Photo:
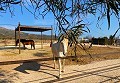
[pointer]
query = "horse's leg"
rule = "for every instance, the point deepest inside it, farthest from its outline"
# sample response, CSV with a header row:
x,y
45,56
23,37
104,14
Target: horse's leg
x,y
54,61
24,46
63,64
31,46
59,63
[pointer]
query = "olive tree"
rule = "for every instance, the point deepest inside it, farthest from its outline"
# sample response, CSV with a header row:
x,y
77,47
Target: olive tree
x,y
69,14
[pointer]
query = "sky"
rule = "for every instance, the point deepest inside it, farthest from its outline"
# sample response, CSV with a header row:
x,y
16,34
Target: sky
x,y
26,18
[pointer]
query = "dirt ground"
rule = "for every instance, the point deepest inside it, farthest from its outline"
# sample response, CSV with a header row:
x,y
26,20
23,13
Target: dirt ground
x,y
86,60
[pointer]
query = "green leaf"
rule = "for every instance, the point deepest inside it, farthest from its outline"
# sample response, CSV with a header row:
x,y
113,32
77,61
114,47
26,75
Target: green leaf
x,y
85,31
108,15
113,6
88,29
1,8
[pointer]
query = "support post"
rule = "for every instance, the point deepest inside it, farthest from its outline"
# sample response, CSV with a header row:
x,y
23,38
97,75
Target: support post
x,y
15,36
41,41
51,34
19,37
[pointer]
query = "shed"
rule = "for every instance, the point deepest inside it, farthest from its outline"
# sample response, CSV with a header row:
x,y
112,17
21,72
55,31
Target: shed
x,y
33,29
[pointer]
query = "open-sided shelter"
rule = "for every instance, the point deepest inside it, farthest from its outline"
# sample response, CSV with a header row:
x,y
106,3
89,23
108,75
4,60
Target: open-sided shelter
x,y
31,28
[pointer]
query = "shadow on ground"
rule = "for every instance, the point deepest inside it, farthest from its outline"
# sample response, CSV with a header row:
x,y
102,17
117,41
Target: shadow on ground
x,y
28,66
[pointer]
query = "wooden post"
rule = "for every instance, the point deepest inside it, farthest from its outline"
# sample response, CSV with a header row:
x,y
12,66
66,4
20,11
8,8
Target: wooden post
x,y
41,41
51,34
19,37
15,36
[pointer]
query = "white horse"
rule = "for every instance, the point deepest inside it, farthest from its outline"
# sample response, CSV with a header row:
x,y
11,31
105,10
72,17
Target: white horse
x,y
59,49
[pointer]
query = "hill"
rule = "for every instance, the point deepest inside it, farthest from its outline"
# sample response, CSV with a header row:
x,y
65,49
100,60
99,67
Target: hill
x,y
10,34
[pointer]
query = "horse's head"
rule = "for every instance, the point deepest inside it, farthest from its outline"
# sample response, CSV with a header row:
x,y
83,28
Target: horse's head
x,y
16,42
21,40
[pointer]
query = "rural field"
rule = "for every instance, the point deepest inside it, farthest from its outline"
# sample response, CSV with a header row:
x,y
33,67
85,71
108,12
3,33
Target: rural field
x,y
75,22
102,62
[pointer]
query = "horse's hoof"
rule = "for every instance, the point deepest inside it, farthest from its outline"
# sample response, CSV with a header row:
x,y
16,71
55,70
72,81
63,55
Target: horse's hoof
x,y
62,71
59,76
54,67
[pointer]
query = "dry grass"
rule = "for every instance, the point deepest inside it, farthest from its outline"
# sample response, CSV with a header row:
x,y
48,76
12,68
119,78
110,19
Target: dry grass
x,y
97,53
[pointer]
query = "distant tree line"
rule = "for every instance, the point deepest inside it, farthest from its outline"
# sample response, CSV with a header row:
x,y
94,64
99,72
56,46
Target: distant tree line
x,y
104,41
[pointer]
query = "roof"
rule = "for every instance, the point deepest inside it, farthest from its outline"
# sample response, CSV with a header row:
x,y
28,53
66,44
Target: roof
x,y
32,28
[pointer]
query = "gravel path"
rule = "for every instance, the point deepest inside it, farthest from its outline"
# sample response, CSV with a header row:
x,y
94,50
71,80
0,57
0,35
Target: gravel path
x,y
98,72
